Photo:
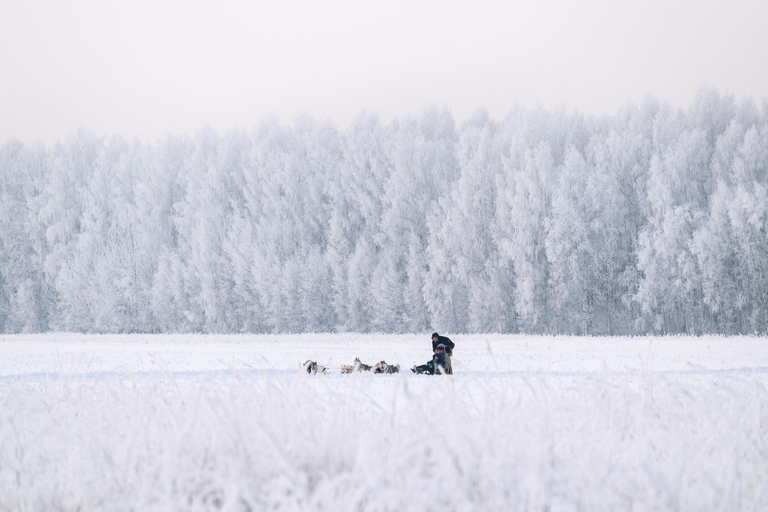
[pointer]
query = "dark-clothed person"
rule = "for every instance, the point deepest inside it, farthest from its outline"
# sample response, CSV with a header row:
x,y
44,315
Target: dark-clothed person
x,y
442,348
442,340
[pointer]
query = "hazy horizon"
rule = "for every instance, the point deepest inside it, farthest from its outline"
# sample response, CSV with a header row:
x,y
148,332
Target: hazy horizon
x,y
760,103
144,69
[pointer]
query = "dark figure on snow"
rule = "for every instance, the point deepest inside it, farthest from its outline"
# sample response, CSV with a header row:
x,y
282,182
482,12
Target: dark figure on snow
x,y
442,340
442,349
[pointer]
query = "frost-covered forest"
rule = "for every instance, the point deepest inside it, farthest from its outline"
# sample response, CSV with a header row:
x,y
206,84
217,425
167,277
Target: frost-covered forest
x,y
653,220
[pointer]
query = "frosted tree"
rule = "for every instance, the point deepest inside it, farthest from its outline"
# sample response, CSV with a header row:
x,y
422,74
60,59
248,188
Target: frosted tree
x,y
291,169
571,248
316,293
246,311
748,213
158,198
72,165
201,217
678,192
715,250
356,196
106,256
616,193
529,208
424,167
651,220
319,158
466,282
26,297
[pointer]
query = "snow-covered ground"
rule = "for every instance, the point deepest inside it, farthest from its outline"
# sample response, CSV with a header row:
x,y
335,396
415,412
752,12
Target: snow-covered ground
x,y
525,423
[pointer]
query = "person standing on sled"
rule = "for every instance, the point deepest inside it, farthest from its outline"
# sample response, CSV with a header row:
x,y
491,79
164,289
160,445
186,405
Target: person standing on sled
x,y
442,349
442,340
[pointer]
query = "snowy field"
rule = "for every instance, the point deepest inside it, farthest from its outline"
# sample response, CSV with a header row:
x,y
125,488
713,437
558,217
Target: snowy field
x,y
525,423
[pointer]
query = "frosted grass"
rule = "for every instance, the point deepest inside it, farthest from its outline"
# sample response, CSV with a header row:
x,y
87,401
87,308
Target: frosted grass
x,y
287,441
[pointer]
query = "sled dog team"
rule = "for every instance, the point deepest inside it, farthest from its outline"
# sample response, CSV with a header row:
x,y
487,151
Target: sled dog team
x,y
442,350
358,366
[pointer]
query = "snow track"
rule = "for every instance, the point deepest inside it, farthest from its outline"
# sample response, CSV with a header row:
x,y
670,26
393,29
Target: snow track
x,y
564,424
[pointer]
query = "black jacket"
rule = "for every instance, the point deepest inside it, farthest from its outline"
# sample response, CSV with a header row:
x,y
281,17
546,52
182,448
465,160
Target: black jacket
x,y
445,341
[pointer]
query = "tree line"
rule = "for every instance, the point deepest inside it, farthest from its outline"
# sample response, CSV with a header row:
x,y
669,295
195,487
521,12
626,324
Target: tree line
x,y
652,220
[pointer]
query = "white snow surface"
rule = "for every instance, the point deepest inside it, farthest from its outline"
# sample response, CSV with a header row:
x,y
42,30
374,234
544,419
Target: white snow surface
x,y
192,422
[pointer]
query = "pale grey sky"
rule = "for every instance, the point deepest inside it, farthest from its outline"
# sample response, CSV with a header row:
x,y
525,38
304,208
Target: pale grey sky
x,y
147,67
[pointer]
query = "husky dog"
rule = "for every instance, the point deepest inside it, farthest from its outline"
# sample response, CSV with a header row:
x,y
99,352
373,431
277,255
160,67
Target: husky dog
x,y
358,366
383,367
312,367
361,366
